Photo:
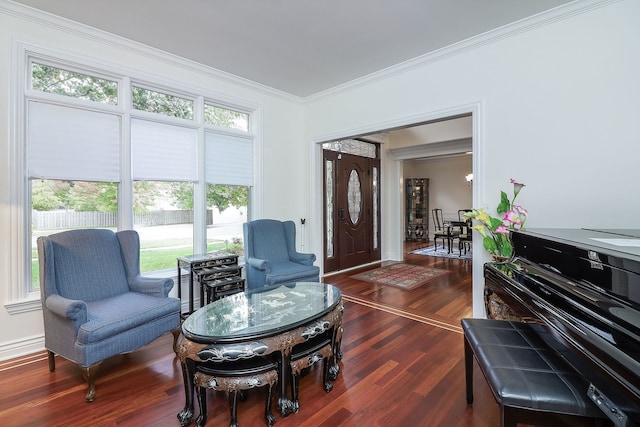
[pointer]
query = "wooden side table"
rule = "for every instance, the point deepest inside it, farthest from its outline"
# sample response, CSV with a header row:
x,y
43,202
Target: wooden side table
x,y
220,281
194,264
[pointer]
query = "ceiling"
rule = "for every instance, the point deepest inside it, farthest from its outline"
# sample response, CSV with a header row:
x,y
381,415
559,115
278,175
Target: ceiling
x,y
300,47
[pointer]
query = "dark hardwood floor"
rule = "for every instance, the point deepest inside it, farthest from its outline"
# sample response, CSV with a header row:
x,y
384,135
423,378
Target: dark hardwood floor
x,y
402,366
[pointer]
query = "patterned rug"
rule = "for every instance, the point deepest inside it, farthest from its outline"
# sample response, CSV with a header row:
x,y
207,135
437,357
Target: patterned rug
x,y
442,253
400,275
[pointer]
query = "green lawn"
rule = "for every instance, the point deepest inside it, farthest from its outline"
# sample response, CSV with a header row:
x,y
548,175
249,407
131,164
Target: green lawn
x,y
151,258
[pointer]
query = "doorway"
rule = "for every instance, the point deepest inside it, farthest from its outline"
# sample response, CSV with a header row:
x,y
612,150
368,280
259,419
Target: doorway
x,y
352,204
391,236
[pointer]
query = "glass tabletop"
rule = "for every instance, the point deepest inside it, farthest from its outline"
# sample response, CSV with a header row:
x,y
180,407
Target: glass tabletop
x,y
261,312
204,257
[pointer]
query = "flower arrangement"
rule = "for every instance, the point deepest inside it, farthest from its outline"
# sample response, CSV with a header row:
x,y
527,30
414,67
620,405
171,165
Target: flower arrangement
x,y
495,231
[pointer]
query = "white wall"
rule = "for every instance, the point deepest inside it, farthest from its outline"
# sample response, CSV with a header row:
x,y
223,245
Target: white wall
x,y
284,190
557,110
554,108
439,132
448,189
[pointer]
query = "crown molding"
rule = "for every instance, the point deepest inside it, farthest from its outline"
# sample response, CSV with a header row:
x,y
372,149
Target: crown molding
x,y
559,13
542,19
46,19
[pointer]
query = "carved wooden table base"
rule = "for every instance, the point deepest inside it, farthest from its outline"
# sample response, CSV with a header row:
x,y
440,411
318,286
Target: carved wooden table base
x,y
192,354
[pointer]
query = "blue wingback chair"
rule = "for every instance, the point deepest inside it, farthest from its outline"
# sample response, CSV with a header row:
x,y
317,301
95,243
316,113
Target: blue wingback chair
x,y
95,303
271,257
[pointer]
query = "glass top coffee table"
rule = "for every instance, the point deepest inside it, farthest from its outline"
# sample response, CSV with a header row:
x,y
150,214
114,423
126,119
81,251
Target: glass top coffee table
x,y
268,321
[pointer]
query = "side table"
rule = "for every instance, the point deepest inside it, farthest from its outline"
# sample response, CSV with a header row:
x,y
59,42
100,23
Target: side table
x,y
220,281
196,263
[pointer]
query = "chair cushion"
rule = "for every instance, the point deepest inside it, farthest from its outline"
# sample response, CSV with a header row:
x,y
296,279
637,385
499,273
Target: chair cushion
x,y
290,272
111,316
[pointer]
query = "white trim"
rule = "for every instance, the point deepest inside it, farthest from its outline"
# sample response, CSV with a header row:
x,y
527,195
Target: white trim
x,y
393,250
89,33
18,218
21,347
530,23
493,36
19,300
436,149
31,303
115,71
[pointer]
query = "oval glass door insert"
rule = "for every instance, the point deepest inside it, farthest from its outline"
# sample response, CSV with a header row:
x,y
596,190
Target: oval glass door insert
x,y
354,196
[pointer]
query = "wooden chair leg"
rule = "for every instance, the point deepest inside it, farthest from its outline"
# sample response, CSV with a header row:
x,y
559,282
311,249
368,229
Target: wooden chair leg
x,y
295,383
176,334
328,385
233,408
267,410
52,361
202,401
89,374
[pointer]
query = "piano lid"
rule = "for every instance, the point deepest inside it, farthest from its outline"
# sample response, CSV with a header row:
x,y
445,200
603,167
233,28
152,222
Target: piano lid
x,y
618,242
617,248
585,285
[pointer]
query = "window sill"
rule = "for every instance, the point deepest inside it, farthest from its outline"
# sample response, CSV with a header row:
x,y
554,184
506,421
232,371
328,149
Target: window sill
x,y
24,306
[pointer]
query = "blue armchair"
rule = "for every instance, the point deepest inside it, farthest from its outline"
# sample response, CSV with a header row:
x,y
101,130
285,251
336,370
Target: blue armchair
x,y
95,304
271,257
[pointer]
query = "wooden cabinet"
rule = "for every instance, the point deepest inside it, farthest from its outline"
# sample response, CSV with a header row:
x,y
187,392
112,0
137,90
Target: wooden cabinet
x,y
417,209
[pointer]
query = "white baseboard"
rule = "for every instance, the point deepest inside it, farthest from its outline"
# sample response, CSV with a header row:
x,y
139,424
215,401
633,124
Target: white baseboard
x,y
21,347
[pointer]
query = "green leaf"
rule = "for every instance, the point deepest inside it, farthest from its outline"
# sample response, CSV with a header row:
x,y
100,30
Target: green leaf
x,y
494,223
490,244
505,247
504,205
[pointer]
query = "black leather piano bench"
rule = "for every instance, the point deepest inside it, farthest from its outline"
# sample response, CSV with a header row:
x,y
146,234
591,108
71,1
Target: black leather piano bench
x,y
530,381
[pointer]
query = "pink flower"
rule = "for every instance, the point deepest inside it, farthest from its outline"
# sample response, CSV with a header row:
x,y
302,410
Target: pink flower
x,y
516,187
520,210
503,229
512,217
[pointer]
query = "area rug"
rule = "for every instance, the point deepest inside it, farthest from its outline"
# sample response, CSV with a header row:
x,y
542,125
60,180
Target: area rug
x,y
400,275
442,253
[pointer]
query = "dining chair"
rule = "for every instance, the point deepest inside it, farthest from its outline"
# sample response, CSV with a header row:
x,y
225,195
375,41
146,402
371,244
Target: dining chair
x,y
440,231
465,237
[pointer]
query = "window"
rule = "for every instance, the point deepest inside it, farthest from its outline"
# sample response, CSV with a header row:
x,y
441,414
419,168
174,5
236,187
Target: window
x,y
89,161
60,205
227,210
56,80
162,103
353,146
226,118
163,218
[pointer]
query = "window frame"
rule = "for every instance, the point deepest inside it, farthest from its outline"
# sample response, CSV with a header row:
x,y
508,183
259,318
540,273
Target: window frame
x,y
21,297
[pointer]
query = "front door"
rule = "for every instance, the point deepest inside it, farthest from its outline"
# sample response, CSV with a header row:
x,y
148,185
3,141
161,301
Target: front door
x,y
351,210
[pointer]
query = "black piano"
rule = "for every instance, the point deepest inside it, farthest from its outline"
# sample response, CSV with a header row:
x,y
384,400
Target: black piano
x,y
584,287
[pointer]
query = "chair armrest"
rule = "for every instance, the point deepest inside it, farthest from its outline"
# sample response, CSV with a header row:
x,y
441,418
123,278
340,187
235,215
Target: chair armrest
x,y
259,264
67,308
154,286
300,258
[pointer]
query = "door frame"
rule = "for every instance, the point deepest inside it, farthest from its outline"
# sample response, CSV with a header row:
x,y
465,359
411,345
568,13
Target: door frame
x,y
391,192
368,222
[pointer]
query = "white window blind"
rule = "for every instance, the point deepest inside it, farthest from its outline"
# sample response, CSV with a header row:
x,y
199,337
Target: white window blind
x,y
229,160
163,152
72,144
